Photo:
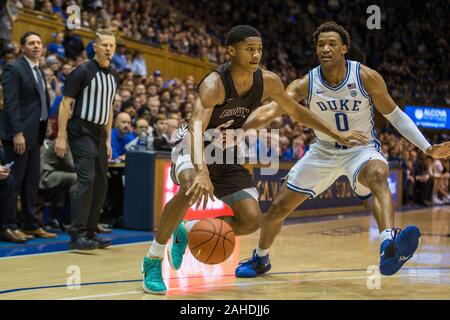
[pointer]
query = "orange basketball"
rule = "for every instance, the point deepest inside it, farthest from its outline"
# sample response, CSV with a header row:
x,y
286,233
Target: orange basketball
x,y
211,241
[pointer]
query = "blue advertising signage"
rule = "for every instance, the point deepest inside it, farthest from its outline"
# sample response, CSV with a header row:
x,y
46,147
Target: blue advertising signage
x,y
429,117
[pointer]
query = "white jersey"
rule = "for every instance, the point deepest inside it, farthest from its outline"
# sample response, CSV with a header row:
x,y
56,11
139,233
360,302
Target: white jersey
x,y
345,107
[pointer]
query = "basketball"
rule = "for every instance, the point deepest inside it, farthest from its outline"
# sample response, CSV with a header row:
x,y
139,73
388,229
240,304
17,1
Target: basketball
x,y
211,241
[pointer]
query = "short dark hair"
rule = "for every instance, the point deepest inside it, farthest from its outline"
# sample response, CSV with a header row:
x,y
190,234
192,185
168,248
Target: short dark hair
x,y
141,111
23,38
240,33
160,117
332,26
127,104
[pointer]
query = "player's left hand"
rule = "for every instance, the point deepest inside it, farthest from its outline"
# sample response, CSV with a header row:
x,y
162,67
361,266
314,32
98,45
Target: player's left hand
x,y
439,151
352,138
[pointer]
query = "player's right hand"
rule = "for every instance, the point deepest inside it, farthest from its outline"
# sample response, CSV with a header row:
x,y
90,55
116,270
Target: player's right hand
x,y
352,138
201,189
60,146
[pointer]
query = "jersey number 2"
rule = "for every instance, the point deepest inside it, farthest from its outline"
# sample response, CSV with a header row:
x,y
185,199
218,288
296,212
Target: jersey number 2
x,y
341,121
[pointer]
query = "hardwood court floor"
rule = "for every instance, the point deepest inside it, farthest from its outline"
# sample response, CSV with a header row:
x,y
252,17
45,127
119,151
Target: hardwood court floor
x,y
317,260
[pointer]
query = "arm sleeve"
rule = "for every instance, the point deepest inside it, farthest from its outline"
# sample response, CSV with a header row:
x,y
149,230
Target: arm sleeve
x,y
75,81
407,128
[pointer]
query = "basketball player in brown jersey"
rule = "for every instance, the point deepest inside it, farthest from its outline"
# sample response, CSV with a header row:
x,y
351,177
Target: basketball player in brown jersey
x,y
343,94
227,96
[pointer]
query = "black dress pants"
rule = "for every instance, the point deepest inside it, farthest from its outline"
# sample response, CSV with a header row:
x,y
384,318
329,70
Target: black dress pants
x,y
7,204
26,173
88,145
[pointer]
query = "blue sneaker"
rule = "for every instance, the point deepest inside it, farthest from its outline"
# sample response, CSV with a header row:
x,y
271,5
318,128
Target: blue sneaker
x,y
253,267
396,251
153,281
177,247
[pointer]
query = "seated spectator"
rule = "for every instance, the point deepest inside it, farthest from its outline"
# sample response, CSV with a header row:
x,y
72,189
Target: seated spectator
x,y
145,113
53,84
140,89
128,107
298,148
286,151
119,60
154,104
9,230
57,8
57,174
138,65
125,94
142,126
47,7
161,141
150,37
57,47
121,136
172,126
64,72
117,105
53,63
8,56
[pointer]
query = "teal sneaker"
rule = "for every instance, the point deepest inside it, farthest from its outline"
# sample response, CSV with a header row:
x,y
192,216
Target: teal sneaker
x,y
177,246
153,281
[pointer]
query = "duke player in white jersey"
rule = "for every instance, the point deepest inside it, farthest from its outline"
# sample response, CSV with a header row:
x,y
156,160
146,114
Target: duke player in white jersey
x,y
343,94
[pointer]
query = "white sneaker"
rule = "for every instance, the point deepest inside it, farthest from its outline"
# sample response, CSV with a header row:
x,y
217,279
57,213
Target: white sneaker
x,y
447,199
437,201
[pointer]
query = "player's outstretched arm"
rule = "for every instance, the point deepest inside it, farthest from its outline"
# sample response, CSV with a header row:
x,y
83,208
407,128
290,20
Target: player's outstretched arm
x,y
268,112
305,116
262,116
376,88
211,93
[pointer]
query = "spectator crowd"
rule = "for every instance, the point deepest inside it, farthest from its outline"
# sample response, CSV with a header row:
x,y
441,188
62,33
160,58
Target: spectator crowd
x,y
148,108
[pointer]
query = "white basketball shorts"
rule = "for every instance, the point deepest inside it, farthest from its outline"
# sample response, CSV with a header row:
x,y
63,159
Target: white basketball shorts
x,y
324,163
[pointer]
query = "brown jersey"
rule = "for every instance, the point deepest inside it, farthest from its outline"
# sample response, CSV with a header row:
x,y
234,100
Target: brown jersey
x,y
230,178
234,107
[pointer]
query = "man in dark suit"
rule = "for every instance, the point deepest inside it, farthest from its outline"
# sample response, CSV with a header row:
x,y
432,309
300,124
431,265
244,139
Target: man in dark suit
x,y
23,125
8,208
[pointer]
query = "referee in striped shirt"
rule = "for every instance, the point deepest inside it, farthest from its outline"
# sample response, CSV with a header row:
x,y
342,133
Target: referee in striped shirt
x,y
85,120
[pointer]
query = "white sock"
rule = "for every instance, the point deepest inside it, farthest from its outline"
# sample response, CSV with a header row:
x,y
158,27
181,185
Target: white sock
x,y
261,252
190,224
386,234
156,250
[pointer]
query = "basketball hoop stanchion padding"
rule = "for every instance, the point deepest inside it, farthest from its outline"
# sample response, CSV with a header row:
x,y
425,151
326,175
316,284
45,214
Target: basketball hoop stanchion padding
x,y
139,190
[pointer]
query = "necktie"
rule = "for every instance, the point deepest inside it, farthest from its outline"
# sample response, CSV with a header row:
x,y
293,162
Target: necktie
x,y
41,85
